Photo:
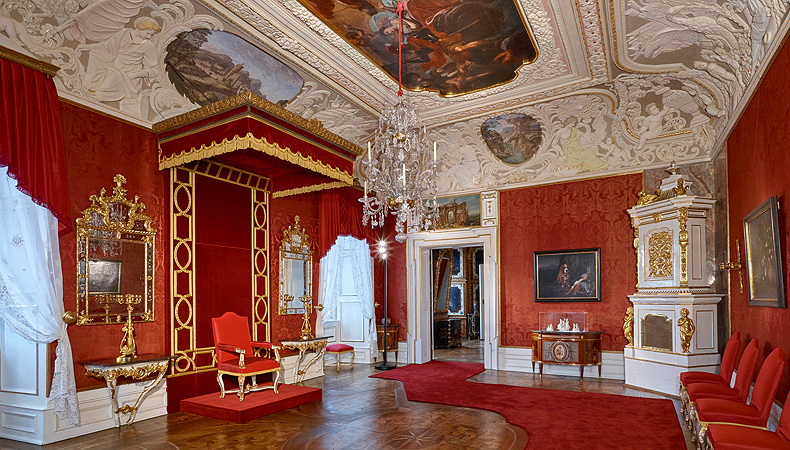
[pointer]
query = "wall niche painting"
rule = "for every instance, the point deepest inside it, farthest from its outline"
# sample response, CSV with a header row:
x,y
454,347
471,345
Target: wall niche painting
x,y
207,66
451,47
459,212
512,138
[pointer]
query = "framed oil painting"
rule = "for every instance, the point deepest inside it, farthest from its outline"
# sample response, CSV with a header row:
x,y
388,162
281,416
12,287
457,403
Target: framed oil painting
x,y
568,275
458,212
104,276
764,255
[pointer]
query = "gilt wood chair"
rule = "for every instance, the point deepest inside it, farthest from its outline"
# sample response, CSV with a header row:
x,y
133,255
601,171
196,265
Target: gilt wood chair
x,y
338,350
739,392
724,436
715,410
234,349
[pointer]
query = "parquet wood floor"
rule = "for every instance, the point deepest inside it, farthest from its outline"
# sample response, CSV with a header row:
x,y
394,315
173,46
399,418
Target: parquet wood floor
x,y
357,413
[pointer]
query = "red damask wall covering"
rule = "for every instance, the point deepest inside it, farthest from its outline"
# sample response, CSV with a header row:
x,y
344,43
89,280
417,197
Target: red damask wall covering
x,y
757,168
97,148
582,214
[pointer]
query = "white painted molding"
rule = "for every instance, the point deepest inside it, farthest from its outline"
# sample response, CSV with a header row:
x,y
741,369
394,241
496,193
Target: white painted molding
x,y
518,359
41,426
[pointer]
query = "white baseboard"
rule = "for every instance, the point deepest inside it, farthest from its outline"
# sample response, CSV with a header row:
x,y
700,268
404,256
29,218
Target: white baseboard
x,y
42,426
518,359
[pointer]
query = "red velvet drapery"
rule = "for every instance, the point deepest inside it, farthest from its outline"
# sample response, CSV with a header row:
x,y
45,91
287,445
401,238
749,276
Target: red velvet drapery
x,y
341,215
31,138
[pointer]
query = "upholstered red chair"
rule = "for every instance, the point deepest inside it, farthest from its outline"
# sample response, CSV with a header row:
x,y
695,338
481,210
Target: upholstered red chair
x,y
726,367
740,390
235,357
756,413
724,436
339,349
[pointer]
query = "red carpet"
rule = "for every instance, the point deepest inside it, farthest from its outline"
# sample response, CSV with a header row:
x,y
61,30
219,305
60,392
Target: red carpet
x,y
553,419
255,404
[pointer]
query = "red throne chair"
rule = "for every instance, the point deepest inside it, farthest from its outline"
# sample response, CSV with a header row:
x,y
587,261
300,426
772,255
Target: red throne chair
x,y
726,436
739,392
716,410
339,349
235,356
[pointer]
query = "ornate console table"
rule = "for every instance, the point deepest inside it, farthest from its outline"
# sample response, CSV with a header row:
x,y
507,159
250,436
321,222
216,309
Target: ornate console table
x,y
576,348
110,370
316,344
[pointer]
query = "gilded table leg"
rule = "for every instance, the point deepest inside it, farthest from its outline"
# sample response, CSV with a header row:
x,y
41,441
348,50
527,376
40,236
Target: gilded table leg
x,y
148,388
116,411
318,355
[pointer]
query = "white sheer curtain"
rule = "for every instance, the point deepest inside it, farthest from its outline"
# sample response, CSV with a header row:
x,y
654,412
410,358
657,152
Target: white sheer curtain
x,y
31,286
357,253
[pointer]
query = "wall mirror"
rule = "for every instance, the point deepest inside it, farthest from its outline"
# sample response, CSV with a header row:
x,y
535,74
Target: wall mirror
x,y
115,259
296,270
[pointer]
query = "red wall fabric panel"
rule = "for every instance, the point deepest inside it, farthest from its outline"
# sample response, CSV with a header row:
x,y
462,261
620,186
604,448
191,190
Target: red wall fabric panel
x,y
757,160
282,215
98,147
223,253
582,214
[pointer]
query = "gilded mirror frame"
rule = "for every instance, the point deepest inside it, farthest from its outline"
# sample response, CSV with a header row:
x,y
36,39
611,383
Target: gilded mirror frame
x,y
112,227
295,246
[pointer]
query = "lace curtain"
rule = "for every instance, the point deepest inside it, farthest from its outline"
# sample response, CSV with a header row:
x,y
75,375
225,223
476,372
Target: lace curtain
x,y
330,287
31,286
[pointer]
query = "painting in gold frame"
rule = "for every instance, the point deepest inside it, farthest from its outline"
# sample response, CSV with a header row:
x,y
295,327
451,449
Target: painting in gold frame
x,y
764,256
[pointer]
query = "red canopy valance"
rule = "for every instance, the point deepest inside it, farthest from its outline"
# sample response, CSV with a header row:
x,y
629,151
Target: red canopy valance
x,y
252,133
31,133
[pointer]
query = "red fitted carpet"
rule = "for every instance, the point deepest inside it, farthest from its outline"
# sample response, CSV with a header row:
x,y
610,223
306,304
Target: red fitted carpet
x,y
553,419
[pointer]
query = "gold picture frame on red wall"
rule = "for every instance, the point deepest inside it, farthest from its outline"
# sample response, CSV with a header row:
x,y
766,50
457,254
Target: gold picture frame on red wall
x,y
568,275
764,255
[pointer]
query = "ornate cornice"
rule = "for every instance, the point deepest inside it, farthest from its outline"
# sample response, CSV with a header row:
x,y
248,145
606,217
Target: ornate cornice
x,y
29,62
313,126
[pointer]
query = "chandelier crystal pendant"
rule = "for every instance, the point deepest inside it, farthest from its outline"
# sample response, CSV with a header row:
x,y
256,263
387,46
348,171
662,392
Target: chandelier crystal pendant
x,y
399,169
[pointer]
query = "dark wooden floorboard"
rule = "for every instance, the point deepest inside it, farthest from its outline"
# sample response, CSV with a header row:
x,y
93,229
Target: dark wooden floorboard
x,y
356,413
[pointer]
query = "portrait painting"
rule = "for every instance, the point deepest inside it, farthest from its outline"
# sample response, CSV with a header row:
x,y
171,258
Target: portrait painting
x,y
764,256
207,66
459,212
456,304
104,276
512,138
452,47
568,275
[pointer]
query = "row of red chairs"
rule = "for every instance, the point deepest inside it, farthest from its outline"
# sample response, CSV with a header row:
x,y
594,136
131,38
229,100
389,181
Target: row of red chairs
x,y
717,412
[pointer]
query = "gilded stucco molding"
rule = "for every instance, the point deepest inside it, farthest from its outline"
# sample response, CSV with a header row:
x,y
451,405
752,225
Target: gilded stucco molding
x,y
31,63
308,189
683,240
262,145
314,126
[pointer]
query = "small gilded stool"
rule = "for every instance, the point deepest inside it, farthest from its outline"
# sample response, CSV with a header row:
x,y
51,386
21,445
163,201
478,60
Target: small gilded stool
x,y
339,349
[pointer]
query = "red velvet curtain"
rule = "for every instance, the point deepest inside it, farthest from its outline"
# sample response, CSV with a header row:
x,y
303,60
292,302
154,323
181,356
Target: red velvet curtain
x,y
340,214
31,138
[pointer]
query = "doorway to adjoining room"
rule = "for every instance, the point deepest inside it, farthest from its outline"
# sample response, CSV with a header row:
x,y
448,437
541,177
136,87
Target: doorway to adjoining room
x,y
457,304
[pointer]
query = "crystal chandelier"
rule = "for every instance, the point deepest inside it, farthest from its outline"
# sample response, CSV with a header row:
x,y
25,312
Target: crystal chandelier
x,y
399,170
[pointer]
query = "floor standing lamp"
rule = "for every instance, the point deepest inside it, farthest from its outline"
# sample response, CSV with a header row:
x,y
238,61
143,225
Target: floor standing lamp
x,y
384,365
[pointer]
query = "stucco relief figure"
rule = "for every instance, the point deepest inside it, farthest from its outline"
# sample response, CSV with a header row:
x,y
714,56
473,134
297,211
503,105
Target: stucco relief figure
x,y
651,125
99,20
683,102
722,74
119,67
616,156
575,154
18,37
687,329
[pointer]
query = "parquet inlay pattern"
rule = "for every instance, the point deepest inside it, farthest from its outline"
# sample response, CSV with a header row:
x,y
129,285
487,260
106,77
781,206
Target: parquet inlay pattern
x,y
357,413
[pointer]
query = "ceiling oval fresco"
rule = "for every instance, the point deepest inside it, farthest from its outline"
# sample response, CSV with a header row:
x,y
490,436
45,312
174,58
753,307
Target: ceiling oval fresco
x,y
207,66
452,47
512,138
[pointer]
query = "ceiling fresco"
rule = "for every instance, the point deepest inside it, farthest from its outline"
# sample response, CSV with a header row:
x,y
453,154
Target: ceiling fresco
x,y
602,87
452,47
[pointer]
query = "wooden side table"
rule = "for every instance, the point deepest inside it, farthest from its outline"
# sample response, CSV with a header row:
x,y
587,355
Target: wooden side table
x,y
110,370
574,348
392,338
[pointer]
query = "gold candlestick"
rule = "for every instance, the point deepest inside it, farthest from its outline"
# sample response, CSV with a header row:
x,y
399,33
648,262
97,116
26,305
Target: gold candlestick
x,y
128,348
